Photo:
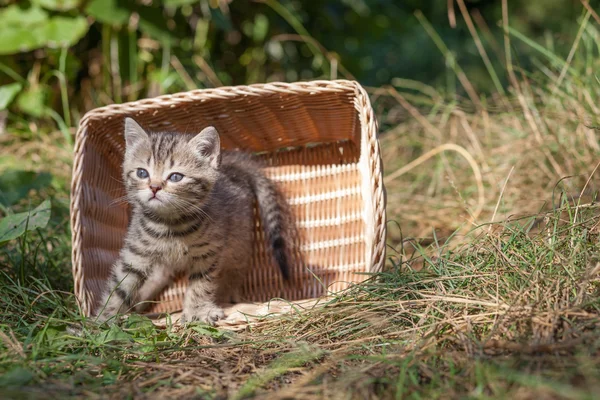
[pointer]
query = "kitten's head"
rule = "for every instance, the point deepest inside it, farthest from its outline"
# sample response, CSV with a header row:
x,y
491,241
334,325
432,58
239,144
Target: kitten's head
x,y
170,174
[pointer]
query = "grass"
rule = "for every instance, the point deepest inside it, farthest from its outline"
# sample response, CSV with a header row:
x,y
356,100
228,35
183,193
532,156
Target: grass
x,y
509,314
491,291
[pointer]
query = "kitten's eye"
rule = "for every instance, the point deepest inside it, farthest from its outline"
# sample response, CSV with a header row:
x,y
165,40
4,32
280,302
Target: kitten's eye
x,y
142,173
175,177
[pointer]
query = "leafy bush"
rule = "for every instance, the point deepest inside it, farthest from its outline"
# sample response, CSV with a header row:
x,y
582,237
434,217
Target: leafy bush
x,y
59,58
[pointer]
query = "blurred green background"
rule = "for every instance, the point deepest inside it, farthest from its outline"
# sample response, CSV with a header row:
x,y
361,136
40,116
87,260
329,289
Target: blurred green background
x,y
60,58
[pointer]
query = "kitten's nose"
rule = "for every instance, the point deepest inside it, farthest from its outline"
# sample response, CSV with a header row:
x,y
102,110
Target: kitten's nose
x,y
155,188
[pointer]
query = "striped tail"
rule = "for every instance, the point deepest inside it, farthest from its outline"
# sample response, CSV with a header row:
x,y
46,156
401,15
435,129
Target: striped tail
x,y
273,214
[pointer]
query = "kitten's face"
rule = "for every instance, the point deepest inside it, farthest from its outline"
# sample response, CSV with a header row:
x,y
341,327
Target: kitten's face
x,y
169,174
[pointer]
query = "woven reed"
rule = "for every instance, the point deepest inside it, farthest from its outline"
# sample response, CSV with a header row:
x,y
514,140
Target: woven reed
x,y
319,140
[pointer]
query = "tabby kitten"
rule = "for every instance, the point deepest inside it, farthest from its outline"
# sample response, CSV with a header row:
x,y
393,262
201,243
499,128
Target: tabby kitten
x,y
192,212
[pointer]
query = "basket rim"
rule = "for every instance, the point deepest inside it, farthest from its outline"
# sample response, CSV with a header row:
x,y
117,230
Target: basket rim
x,y
222,93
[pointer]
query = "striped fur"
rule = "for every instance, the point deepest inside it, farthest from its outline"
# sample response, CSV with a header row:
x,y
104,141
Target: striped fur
x,y
201,225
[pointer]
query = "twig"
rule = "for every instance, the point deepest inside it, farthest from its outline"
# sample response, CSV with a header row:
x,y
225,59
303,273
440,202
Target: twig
x,y
586,4
187,79
210,74
447,147
481,49
451,14
531,348
500,197
574,48
12,343
580,196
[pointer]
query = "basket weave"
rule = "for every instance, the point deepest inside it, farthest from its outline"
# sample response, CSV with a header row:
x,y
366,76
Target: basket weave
x,y
319,140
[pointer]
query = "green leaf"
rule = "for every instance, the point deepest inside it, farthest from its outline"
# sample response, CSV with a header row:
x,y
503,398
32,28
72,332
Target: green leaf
x,y
64,31
52,336
57,5
8,93
16,184
114,334
260,28
18,28
179,3
16,377
278,367
15,225
16,16
202,28
117,12
32,101
16,40
112,12
139,326
208,331
31,28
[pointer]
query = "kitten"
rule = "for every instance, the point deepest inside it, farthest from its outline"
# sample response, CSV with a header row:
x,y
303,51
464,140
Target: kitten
x,y
192,212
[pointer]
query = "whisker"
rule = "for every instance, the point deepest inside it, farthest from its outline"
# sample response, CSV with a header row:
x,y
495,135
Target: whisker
x,y
117,179
187,125
191,210
119,201
187,206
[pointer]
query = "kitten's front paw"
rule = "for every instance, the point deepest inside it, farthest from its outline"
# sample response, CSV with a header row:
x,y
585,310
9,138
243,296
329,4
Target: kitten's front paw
x,y
105,315
208,314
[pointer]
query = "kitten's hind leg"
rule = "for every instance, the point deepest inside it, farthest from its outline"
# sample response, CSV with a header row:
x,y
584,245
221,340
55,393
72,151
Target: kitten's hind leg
x,y
199,304
231,278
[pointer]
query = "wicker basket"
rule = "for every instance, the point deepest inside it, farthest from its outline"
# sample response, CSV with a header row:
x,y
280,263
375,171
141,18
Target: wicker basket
x,y
319,140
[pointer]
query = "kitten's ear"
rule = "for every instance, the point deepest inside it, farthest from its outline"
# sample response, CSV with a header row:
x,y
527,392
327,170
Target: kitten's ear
x,y
208,144
133,132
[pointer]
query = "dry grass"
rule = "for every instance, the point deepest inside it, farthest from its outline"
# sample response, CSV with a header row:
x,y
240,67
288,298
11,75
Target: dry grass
x,y
525,149
516,173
